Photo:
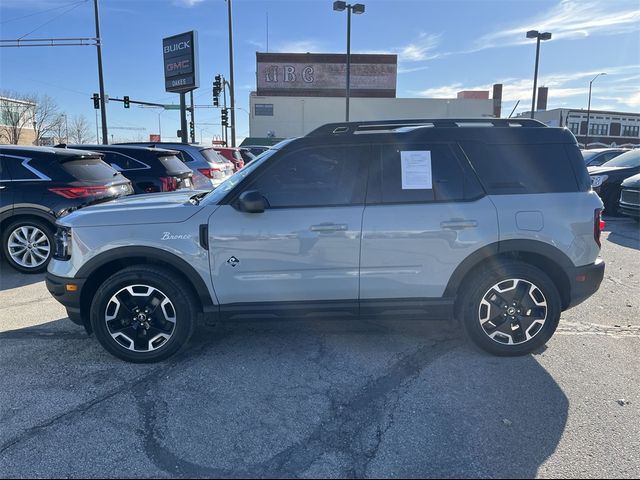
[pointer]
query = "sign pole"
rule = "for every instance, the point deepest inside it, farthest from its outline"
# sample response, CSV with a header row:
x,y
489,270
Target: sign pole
x,y
193,122
183,118
103,111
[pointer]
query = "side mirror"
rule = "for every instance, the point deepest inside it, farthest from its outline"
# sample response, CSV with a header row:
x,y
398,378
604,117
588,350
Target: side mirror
x,y
251,201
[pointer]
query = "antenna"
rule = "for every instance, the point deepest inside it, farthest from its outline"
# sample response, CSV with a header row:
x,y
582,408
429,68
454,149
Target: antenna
x,y
514,109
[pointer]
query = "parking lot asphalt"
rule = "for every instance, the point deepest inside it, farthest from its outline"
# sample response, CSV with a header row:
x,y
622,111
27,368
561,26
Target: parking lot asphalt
x,y
327,398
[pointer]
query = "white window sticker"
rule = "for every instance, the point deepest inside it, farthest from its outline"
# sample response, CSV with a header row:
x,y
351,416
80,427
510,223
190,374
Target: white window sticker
x,y
416,169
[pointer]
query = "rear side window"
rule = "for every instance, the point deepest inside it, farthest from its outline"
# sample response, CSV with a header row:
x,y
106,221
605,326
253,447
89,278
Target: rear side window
x,y
315,177
437,175
88,169
212,156
173,164
123,162
523,168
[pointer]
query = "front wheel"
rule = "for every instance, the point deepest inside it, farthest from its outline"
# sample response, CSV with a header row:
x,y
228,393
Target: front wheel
x,y
510,308
28,244
143,314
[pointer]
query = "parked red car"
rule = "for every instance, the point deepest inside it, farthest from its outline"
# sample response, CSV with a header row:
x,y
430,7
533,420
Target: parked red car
x,y
233,155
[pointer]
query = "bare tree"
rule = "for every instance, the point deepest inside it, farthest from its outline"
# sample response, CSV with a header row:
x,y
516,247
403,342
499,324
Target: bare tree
x,y
16,112
46,117
60,129
79,130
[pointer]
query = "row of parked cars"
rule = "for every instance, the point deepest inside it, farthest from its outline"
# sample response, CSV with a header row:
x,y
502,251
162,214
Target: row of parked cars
x,y
40,184
615,176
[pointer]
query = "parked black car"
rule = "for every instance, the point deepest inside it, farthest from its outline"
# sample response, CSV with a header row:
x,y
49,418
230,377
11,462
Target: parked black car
x,y
597,156
39,184
149,169
607,178
630,197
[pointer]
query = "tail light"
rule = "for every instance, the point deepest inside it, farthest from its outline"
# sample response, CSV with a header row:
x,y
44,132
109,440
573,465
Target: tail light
x,y
598,225
80,192
209,172
169,184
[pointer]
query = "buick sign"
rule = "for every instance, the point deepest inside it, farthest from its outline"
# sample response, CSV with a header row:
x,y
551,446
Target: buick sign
x,y
180,55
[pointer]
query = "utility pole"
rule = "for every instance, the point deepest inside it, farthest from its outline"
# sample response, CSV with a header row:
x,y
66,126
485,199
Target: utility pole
x,y
103,111
231,84
183,118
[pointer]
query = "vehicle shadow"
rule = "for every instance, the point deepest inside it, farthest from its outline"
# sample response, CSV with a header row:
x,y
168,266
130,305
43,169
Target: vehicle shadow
x,y
316,397
11,278
623,231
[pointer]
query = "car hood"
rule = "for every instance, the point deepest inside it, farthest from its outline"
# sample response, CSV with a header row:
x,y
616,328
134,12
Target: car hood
x,y
171,207
603,170
632,182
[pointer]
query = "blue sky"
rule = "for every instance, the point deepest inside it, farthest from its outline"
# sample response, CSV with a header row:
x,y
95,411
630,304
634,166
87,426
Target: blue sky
x,y
443,46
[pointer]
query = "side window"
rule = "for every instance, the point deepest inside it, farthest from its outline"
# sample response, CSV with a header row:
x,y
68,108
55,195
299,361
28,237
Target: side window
x,y
522,168
4,170
185,157
608,156
315,177
434,175
123,162
24,169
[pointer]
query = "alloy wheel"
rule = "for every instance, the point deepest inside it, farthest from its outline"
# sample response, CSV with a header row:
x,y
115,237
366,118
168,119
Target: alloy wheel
x,y
29,246
513,311
140,318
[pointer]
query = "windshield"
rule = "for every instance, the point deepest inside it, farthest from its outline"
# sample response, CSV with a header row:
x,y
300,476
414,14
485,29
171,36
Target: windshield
x,y
626,160
225,187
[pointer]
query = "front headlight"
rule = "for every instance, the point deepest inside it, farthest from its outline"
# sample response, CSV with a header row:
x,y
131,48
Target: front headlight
x,y
62,244
597,180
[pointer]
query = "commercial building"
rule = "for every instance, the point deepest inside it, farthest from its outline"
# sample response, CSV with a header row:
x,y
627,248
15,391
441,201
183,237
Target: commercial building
x,y
17,121
606,128
297,93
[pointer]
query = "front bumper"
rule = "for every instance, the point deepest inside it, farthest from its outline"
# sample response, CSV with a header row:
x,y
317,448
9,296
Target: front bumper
x,y
58,287
585,281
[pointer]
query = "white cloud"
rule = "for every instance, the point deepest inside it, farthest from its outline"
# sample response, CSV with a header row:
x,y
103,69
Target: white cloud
x,y
187,3
423,48
570,19
573,86
299,46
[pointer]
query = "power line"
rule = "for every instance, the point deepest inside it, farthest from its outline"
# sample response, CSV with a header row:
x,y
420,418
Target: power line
x,y
39,13
74,6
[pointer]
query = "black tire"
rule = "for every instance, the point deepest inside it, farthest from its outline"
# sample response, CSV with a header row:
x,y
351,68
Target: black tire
x,y
182,304
509,275
11,254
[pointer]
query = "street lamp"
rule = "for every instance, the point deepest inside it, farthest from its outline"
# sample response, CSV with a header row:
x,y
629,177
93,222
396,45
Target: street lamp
x,y
539,36
356,9
586,138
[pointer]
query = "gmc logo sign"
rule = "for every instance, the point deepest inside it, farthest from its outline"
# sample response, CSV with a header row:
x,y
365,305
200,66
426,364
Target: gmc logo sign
x,y
178,65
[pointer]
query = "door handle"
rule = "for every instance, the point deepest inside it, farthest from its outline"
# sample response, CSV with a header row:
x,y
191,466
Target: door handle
x,y
459,224
329,227
2,187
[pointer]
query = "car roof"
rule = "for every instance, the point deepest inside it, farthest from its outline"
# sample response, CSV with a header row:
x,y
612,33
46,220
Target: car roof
x,y
609,149
124,148
61,152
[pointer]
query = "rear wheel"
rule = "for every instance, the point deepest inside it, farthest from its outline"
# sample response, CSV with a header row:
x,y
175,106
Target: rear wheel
x,y
510,308
28,244
143,314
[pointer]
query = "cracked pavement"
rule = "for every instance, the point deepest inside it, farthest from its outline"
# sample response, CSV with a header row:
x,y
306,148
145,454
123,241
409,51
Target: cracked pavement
x,y
326,398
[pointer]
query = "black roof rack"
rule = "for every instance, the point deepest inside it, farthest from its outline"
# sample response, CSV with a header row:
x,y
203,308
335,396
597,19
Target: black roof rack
x,y
400,126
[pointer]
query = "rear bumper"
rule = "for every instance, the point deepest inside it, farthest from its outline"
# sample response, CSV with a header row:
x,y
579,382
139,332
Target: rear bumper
x,y
57,287
585,281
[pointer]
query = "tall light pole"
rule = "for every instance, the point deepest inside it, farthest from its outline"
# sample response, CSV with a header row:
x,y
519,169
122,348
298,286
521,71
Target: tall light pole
x,y
538,36
231,84
103,112
586,138
357,9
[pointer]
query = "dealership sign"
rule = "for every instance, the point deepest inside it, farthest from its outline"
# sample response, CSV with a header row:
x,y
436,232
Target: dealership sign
x,y
324,75
180,58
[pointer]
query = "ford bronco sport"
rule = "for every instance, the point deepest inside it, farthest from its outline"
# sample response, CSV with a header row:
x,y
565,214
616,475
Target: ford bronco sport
x,y
492,222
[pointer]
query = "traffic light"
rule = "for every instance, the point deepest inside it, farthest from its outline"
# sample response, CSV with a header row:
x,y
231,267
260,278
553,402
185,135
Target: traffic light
x,y
225,117
217,85
96,101
216,102
126,101
192,131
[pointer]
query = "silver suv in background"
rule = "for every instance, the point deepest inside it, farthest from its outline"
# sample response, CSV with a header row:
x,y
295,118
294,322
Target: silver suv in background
x,y
201,159
492,222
